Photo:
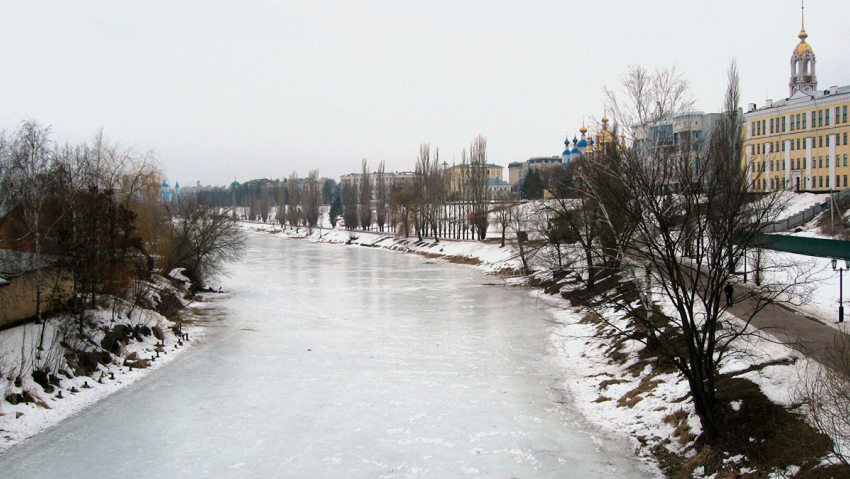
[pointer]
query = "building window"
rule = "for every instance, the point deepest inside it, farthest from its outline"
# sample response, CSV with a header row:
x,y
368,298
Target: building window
x,y
820,118
827,181
845,139
783,124
845,159
771,125
798,143
845,181
804,163
827,139
827,161
820,162
844,115
837,115
783,146
826,114
820,181
820,142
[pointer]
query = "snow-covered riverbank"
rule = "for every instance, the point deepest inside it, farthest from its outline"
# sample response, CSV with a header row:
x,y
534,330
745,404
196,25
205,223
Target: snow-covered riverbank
x,y
72,380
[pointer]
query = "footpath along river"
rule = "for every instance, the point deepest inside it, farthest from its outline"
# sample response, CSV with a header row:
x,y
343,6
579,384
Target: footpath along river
x,y
344,362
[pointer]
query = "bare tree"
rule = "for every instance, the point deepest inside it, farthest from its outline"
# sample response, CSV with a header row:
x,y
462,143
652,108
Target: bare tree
x,y
349,206
264,203
478,185
526,245
576,218
365,198
29,180
713,200
201,239
312,199
381,196
403,200
430,189
504,211
5,172
282,200
293,200
825,390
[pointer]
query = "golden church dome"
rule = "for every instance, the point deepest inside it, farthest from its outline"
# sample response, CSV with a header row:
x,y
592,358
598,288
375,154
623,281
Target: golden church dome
x,y
583,129
604,136
803,48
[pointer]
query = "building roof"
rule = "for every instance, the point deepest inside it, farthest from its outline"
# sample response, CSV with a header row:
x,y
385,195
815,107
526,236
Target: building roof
x,y
488,165
13,263
802,97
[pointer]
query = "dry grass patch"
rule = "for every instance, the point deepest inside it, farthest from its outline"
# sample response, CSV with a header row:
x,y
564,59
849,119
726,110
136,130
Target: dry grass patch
x,y
608,382
682,431
636,395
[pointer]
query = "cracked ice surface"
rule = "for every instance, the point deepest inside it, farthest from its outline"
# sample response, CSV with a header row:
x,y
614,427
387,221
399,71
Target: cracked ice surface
x,y
343,362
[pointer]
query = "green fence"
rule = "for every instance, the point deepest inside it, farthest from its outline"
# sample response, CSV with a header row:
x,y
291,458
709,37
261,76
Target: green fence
x,y
825,248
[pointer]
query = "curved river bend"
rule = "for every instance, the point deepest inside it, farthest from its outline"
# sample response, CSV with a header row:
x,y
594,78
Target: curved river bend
x,y
343,362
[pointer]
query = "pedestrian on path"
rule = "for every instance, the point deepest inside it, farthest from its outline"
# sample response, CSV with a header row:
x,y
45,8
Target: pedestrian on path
x,y
729,291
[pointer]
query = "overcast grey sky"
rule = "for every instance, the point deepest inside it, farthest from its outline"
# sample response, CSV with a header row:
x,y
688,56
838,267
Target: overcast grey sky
x,y
252,89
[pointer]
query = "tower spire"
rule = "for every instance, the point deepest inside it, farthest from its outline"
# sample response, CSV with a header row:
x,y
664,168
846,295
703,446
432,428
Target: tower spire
x,y
803,60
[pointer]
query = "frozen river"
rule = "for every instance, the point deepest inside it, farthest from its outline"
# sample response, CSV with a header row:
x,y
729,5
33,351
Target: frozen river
x,y
343,362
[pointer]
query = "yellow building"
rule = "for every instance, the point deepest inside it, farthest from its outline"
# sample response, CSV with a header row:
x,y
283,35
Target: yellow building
x,y
799,143
459,176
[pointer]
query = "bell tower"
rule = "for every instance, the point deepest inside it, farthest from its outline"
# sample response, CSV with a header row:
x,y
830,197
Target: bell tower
x,y
803,62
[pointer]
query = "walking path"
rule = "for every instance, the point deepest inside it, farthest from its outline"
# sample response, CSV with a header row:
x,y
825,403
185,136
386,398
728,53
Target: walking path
x,y
789,326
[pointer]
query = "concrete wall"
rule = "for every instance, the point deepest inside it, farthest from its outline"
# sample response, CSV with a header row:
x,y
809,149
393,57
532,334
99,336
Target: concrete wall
x,y
18,299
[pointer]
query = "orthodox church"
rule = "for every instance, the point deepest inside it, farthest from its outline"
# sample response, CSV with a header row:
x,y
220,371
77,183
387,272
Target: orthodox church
x,y
586,144
168,194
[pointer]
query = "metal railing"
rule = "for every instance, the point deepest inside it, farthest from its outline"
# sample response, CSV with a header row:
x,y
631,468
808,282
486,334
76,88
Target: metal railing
x,y
807,214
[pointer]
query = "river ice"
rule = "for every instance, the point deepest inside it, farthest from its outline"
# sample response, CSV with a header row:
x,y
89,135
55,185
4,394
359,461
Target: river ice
x,y
350,362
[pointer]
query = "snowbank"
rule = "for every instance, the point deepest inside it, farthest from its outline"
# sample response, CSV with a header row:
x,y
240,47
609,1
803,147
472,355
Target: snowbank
x,y
68,385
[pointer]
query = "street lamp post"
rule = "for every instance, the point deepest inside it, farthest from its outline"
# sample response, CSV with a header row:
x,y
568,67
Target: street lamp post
x,y
840,286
